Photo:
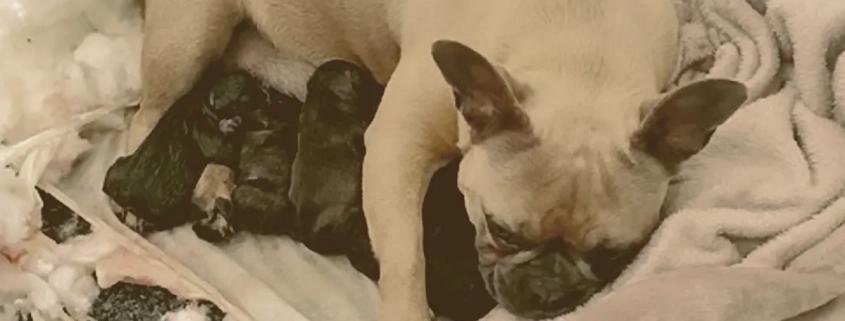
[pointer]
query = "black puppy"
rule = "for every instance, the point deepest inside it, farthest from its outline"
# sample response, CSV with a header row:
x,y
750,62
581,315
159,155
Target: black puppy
x,y
261,202
154,186
455,288
267,139
326,188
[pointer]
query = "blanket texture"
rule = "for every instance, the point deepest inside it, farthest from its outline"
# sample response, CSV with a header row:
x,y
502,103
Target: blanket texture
x,y
755,227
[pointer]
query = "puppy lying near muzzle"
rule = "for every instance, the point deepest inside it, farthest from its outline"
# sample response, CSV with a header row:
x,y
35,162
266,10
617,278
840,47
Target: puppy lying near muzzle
x,y
341,102
560,109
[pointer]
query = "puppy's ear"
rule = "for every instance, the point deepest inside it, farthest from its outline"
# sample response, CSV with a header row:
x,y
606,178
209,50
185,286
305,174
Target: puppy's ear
x,y
681,124
483,96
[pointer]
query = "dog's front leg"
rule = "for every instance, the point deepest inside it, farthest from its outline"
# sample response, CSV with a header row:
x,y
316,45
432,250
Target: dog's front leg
x,y
414,133
180,39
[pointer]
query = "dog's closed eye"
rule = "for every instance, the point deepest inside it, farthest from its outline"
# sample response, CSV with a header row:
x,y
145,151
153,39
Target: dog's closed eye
x,y
505,238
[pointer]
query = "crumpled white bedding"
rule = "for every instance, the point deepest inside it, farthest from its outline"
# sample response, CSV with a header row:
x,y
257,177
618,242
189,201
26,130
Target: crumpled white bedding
x,y
68,68
755,231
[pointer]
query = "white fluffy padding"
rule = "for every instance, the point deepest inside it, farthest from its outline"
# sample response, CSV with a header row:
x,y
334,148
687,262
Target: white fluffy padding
x,y
53,67
17,282
63,64
189,313
61,58
15,223
756,228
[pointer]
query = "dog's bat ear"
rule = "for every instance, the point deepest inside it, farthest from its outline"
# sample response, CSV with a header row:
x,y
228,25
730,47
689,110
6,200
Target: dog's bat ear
x,y
482,94
681,124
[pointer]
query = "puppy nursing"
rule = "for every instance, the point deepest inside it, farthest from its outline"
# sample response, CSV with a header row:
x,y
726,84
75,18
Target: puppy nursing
x,y
156,183
326,190
267,140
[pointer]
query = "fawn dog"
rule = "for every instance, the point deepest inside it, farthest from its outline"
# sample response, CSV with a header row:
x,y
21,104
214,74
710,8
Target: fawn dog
x,y
562,110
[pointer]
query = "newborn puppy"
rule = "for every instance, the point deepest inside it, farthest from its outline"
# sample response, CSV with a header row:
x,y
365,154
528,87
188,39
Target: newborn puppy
x,y
262,122
342,99
326,184
154,186
261,201
454,286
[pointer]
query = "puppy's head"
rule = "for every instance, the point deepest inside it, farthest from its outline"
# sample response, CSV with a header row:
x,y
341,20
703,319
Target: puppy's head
x,y
562,206
231,96
339,89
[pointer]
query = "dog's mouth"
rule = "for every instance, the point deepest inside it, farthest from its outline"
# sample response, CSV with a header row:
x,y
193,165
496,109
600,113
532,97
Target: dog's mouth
x,y
541,283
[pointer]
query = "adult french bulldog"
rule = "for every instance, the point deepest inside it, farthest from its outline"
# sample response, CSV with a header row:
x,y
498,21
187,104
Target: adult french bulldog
x,y
568,134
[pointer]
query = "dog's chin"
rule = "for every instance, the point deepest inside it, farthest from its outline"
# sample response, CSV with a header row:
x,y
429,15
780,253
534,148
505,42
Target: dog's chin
x,y
544,287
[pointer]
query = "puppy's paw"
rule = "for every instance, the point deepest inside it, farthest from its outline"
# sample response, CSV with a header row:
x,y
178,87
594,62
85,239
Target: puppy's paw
x,y
216,182
216,227
230,126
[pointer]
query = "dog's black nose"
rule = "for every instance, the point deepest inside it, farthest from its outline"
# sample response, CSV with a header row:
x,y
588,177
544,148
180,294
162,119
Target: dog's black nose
x,y
608,263
544,287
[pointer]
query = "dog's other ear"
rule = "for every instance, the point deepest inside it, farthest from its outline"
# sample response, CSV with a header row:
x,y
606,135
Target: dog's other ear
x,y
681,124
483,96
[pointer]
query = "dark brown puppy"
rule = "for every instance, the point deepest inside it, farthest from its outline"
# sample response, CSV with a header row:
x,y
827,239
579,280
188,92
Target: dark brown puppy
x,y
326,188
154,186
261,202
266,137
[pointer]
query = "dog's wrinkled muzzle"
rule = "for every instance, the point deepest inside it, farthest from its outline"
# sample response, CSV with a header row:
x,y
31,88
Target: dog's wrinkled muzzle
x,y
541,284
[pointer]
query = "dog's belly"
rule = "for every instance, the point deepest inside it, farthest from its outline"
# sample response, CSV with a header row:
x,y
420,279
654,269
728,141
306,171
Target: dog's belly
x,y
320,30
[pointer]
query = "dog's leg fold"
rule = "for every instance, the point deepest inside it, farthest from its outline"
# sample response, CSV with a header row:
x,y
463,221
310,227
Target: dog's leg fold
x,y
412,135
172,59
394,184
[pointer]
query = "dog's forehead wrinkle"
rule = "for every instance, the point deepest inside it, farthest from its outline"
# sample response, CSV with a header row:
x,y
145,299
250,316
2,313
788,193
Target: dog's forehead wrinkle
x,y
573,197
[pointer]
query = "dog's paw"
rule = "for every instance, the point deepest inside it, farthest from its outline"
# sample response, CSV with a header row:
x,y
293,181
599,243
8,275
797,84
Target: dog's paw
x,y
216,227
